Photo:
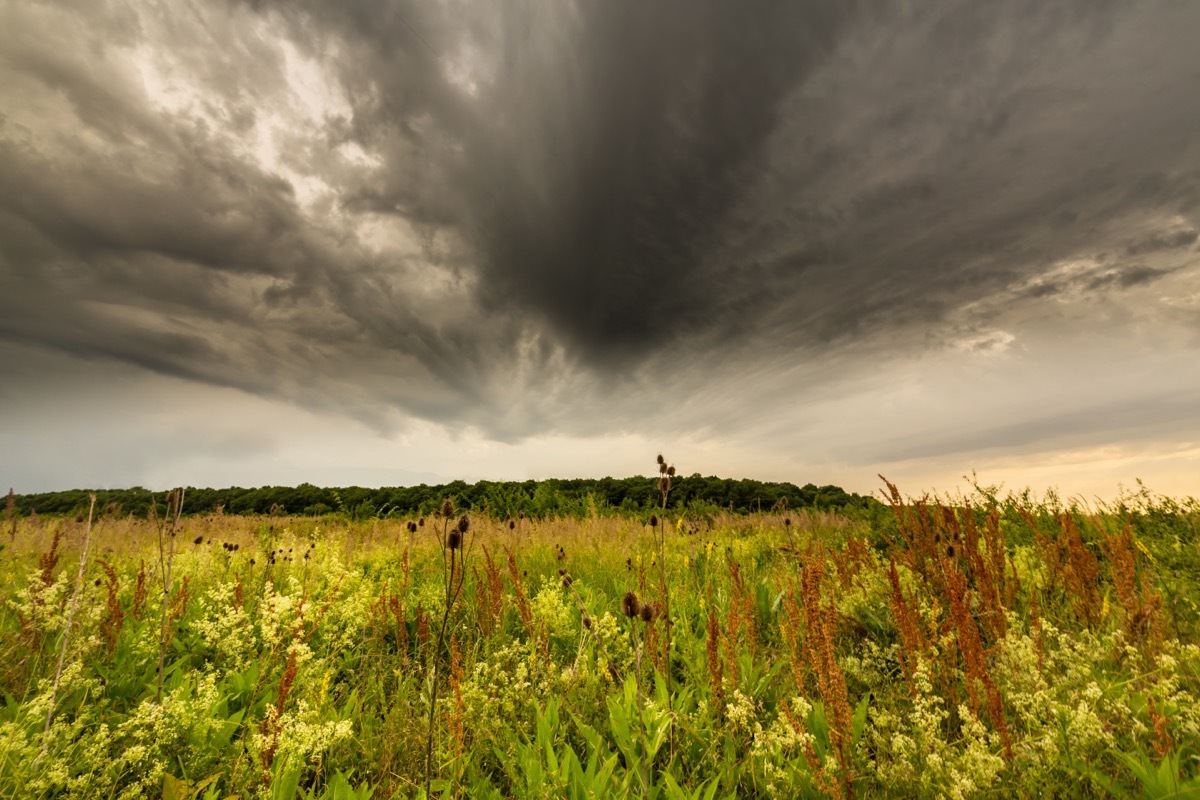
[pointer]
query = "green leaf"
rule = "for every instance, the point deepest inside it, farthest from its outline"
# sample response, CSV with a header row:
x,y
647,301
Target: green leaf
x,y
860,718
175,789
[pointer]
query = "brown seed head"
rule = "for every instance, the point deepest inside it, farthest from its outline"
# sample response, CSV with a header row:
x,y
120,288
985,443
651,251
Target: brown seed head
x,y
671,471
454,539
463,524
661,460
448,508
512,525
629,605
647,613
587,622
654,520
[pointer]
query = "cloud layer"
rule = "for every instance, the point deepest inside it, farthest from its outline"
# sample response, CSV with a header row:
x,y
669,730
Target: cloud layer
x,y
682,218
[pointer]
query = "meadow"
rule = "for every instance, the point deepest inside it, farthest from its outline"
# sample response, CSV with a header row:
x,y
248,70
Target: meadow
x,y
973,646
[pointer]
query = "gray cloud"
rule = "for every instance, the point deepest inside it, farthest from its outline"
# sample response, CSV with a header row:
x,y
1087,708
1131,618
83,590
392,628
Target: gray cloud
x,y
527,216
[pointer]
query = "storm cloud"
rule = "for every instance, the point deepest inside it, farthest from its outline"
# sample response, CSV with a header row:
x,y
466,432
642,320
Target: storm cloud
x,y
532,219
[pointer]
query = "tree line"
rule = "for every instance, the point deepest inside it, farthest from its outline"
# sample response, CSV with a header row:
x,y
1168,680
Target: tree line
x,y
552,497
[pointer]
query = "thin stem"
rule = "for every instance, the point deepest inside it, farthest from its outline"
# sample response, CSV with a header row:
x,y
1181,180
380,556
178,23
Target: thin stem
x,y
62,650
174,513
666,590
452,593
637,683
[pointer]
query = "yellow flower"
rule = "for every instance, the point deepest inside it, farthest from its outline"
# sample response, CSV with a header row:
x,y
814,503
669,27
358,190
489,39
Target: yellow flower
x,y
1142,547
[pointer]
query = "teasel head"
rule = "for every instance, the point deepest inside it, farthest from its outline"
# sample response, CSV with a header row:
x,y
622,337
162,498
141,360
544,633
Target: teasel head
x,y
647,613
662,469
587,621
661,461
463,524
512,525
787,522
949,551
629,604
654,520
421,522
447,508
671,471
454,539
567,581
198,540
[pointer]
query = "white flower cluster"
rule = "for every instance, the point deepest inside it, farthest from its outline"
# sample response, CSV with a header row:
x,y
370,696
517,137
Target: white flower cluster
x,y
551,606
225,628
914,756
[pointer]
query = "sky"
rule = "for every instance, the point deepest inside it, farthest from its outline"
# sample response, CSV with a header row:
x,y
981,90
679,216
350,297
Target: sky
x,y
386,242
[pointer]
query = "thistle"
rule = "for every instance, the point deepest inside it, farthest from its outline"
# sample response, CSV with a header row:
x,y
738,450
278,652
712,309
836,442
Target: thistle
x,y
453,542
629,604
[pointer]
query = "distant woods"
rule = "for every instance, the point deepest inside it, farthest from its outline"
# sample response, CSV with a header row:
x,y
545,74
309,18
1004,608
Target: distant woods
x,y
554,497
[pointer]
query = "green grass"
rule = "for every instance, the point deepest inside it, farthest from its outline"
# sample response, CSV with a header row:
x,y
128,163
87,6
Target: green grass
x,y
793,673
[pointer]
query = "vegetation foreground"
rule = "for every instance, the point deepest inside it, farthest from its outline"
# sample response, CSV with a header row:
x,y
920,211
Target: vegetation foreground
x,y
943,648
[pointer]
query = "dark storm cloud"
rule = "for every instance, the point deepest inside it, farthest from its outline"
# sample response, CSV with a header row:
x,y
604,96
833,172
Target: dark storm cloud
x,y
584,193
1156,242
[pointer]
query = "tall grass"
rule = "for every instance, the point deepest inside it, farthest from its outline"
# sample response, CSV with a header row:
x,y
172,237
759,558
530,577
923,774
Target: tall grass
x,y
956,648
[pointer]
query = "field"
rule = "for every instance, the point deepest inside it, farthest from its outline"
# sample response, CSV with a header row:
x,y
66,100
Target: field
x,y
969,647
